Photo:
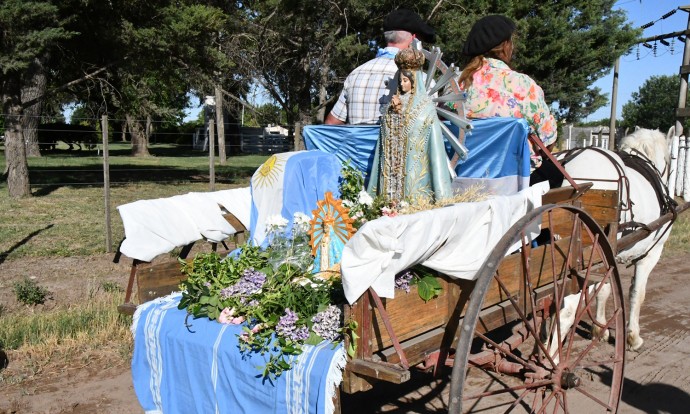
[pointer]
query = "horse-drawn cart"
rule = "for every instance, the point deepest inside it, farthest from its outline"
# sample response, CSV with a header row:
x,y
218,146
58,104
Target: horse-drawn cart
x,y
540,326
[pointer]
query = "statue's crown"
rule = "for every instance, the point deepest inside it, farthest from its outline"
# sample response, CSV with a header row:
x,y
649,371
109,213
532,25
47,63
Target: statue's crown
x,y
409,59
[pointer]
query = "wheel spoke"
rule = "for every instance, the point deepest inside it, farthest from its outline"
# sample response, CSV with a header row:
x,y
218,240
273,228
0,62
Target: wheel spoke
x,y
525,320
583,297
519,400
560,293
546,402
531,386
593,398
529,291
594,341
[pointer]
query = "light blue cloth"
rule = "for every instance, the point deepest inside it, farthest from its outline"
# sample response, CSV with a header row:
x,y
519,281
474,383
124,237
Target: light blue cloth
x,y
355,143
498,151
498,156
201,370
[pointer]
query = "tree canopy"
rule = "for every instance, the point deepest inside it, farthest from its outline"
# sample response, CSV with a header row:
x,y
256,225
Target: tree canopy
x,y
139,59
654,104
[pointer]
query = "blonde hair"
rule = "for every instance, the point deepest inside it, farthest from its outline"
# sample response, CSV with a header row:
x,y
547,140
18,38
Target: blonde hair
x,y
465,80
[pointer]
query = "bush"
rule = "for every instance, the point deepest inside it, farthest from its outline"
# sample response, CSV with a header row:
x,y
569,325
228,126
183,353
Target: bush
x,y
30,293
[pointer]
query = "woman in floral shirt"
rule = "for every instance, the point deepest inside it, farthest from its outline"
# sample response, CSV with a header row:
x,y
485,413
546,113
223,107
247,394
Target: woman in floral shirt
x,y
494,89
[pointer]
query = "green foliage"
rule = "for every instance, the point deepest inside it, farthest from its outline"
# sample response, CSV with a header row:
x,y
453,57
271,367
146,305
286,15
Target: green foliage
x,y
428,287
30,293
351,181
362,207
654,104
207,274
30,29
111,287
273,291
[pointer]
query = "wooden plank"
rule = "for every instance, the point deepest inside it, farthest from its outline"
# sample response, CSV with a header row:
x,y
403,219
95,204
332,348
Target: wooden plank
x,y
602,205
417,348
379,370
427,315
159,279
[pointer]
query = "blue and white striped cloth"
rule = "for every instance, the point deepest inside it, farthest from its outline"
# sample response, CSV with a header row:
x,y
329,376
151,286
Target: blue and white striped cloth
x,y
201,369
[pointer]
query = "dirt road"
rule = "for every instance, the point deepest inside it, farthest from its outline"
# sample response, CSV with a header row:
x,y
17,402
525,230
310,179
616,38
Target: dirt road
x,y
657,378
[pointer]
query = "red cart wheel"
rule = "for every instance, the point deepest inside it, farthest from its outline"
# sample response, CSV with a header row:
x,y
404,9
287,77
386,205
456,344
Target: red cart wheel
x,y
525,342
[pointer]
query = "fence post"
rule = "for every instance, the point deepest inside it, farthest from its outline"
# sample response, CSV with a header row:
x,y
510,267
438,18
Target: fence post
x,y
686,172
106,185
682,154
674,166
298,141
211,155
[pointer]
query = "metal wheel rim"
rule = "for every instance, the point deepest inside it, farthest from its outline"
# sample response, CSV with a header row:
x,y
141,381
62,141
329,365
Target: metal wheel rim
x,y
563,367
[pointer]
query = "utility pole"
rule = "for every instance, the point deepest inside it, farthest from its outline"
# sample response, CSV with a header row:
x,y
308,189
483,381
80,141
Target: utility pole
x,y
614,102
682,112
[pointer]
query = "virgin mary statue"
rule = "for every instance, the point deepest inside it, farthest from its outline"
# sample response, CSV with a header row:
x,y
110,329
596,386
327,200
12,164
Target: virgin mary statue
x,y
410,162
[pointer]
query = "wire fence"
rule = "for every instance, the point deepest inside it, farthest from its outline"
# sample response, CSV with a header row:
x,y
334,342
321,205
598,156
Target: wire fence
x,y
98,156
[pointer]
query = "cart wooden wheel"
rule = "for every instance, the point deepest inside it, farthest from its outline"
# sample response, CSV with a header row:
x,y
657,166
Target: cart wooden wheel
x,y
525,342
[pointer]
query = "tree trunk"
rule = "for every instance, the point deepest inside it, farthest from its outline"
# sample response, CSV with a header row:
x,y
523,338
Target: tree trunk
x,y
30,116
15,153
140,144
220,122
323,94
149,128
123,128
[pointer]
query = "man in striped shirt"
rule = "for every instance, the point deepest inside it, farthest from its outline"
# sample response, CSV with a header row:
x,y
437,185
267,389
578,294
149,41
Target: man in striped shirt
x,y
369,87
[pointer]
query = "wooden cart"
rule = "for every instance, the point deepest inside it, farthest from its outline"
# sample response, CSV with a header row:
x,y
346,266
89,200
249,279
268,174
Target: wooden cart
x,y
518,336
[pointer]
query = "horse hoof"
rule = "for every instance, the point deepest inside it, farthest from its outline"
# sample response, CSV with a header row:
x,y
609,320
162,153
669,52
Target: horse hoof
x,y
634,342
601,334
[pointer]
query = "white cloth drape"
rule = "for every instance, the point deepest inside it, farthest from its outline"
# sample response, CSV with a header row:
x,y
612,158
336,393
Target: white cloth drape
x,y
157,226
454,240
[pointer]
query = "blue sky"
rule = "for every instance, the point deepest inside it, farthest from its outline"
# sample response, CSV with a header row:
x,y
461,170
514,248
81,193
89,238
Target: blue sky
x,y
635,71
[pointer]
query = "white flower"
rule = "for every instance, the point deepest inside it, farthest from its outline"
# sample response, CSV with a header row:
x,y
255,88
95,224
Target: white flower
x,y
276,222
301,222
365,198
347,203
403,204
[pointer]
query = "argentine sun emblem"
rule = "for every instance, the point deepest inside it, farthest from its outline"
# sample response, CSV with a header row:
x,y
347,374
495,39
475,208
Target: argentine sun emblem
x,y
270,171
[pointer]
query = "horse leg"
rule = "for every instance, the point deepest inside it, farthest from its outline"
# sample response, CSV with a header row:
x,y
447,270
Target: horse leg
x,y
569,310
602,298
637,293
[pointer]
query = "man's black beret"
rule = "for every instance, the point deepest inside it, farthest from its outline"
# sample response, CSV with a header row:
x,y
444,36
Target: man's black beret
x,y
409,21
487,33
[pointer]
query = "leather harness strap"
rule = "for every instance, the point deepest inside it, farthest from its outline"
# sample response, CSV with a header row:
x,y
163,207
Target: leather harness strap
x,y
639,162
626,205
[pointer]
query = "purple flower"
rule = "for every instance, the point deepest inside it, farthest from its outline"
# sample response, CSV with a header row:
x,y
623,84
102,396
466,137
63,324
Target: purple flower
x,y
287,329
402,281
249,284
327,323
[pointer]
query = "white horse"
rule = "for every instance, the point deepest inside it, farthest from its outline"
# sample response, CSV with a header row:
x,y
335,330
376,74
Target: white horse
x,y
593,166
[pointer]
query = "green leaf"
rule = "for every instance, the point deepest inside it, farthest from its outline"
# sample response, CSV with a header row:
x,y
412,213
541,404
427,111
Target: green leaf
x,y
428,288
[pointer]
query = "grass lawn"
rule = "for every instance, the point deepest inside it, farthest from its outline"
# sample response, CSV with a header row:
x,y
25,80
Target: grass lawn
x,y
66,216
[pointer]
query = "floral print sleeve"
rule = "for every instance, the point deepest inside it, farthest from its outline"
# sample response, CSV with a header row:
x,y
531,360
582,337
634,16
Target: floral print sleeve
x,y
498,90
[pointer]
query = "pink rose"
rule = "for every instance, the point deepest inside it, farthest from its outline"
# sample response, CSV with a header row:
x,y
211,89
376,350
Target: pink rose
x,y
225,316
